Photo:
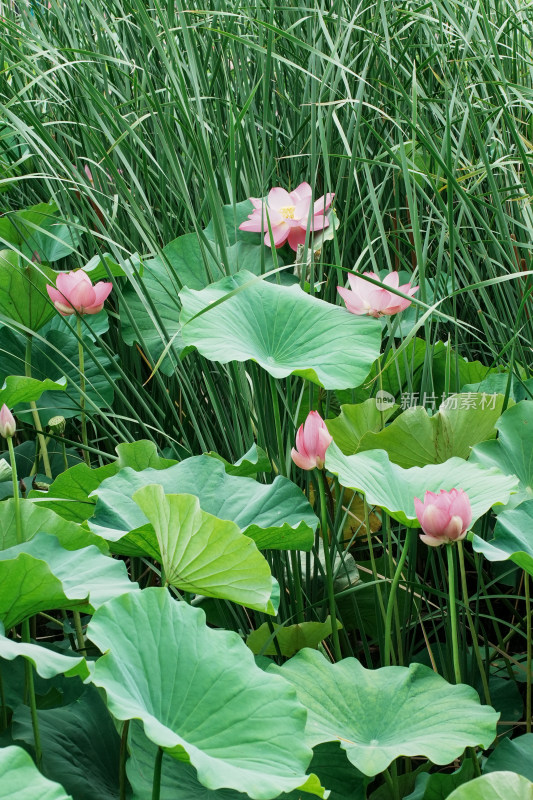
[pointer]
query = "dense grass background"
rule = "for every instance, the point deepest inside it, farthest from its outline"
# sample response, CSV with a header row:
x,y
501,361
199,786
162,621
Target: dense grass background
x,y
417,115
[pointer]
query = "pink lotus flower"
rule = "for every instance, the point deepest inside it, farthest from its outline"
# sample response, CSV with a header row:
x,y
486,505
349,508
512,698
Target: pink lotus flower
x,y
75,292
290,215
312,441
375,301
444,517
8,426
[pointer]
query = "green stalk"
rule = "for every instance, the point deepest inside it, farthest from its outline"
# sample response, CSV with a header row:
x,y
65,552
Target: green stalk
x,y
122,763
30,689
79,632
373,560
156,783
35,415
16,494
453,612
473,633
529,636
392,598
28,669
328,565
84,439
295,564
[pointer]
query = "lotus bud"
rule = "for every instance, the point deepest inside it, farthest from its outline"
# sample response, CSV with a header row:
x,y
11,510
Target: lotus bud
x,y
8,426
312,441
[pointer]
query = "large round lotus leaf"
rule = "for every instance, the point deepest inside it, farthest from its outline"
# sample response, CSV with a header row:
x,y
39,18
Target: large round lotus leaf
x,y
511,451
285,330
275,515
415,439
390,487
40,574
47,662
200,695
512,538
379,715
36,519
203,554
68,495
20,778
495,786
80,744
180,782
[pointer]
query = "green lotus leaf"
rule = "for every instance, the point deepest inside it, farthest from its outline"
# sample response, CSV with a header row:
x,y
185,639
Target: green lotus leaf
x,y
19,389
69,494
354,421
40,574
379,715
202,554
495,786
47,662
252,462
80,745
389,486
415,439
275,515
512,538
285,330
20,778
38,233
496,383
23,296
438,785
515,755
511,452
290,638
180,782
200,696
35,518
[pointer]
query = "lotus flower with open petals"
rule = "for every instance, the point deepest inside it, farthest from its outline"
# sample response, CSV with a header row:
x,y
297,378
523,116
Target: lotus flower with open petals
x,y
444,517
290,215
74,292
364,297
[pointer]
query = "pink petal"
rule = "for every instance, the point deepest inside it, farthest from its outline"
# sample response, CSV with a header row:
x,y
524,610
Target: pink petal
x,y
300,442
392,279
253,224
279,198
419,509
431,540
279,234
302,461
302,193
353,302
324,441
454,528
312,426
434,520
318,223
296,237
323,203
82,296
257,202
102,290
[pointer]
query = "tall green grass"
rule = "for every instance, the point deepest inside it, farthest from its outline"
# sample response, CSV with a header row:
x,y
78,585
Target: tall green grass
x,y
417,115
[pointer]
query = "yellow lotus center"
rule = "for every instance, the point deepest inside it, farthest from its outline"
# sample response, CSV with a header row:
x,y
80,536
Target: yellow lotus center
x,y
287,212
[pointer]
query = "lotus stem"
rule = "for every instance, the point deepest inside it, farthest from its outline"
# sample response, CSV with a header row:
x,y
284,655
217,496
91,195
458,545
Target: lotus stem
x,y
156,783
35,416
30,689
473,633
329,569
452,610
123,756
84,439
392,599
16,493
529,647
295,564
